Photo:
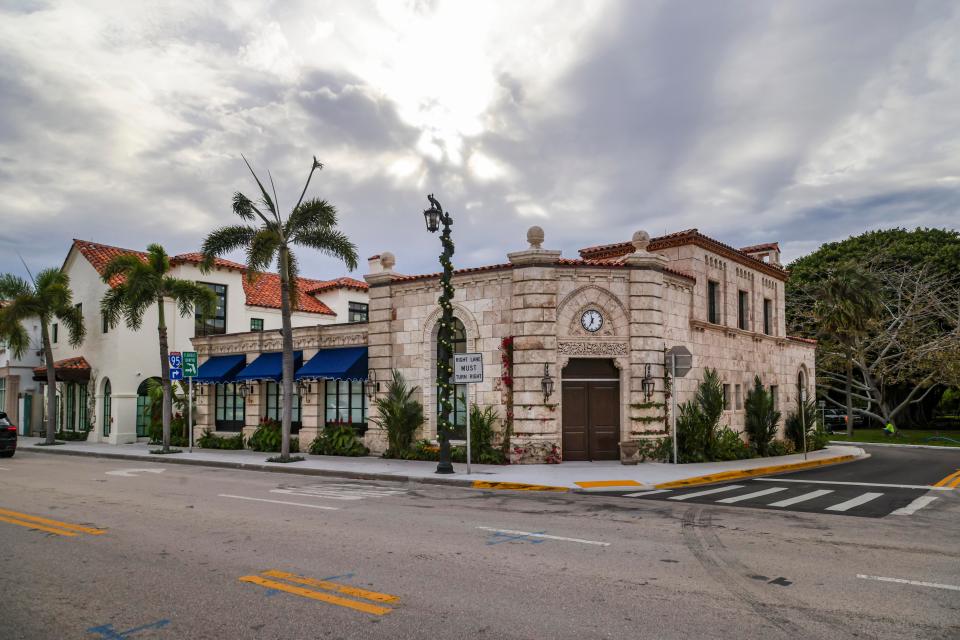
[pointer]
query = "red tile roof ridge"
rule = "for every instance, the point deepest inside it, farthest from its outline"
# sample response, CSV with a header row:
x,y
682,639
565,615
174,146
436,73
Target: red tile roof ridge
x,y
804,340
456,272
76,362
344,282
766,246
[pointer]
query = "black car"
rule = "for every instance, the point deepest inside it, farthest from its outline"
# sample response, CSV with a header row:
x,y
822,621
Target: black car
x,y
836,420
8,437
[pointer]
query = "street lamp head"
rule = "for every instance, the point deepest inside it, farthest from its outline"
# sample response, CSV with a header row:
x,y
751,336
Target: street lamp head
x,y
371,385
546,383
647,384
433,215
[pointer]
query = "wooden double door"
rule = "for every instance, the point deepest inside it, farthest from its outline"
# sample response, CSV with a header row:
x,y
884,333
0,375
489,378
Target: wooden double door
x,y
591,410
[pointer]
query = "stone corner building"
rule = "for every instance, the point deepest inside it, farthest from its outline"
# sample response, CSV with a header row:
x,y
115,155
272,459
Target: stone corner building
x,y
597,325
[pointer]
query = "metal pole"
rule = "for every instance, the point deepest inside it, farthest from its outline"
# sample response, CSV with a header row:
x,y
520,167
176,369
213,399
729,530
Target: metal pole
x,y
190,413
803,418
673,405
467,400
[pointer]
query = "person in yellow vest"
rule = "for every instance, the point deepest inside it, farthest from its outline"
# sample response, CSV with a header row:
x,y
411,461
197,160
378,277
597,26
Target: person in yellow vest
x,y
890,430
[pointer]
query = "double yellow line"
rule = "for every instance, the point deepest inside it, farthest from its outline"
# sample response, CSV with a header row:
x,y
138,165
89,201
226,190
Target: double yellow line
x,y
330,598
952,480
46,524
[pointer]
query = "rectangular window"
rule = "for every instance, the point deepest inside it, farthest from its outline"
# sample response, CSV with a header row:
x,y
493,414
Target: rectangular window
x,y
739,397
274,404
215,324
104,323
230,409
345,403
358,312
727,400
82,408
69,415
768,316
256,324
775,395
743,310
56,332
713,302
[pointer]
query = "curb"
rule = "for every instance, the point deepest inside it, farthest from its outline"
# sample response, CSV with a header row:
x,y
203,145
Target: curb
x,y
893,444
759,471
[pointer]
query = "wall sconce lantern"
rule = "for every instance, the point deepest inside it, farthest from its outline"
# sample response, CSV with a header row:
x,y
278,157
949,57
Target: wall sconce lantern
x,y
304,387
371,385
647,383
245,389
546,383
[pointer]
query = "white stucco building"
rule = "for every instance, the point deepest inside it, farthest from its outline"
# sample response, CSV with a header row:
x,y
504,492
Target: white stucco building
x,y
19,393
102,382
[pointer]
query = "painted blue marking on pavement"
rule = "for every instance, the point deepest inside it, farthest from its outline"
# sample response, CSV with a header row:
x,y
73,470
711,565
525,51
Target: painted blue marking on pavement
x,y
107,632
497,537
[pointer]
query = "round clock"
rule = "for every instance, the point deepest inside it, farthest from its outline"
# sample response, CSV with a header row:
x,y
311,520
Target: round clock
x,y
591,320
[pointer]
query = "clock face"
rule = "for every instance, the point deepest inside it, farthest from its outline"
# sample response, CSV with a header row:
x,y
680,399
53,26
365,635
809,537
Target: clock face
x,y
591,320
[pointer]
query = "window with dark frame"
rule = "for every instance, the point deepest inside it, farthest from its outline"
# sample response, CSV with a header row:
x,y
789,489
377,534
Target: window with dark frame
x,y
713,300
739,397
56,332
743,310
230,410
727,400
104,323
775,396
216,323
768,316
458,417
274,405
358,312
82,408
345,403
256,324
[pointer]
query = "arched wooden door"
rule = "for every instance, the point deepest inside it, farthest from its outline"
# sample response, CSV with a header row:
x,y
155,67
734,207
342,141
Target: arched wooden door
x,y
591,410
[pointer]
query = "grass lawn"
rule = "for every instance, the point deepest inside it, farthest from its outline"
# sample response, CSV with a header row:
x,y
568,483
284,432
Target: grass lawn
x,y
911,436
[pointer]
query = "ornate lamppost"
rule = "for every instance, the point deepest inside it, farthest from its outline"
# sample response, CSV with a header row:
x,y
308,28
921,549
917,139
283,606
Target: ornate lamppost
x,y
434,217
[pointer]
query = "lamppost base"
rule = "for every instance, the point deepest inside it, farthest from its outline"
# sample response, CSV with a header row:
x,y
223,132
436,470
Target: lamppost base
x,y
444,467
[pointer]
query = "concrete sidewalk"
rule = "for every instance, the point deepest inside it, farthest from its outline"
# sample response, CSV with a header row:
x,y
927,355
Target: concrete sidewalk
x,y
568,476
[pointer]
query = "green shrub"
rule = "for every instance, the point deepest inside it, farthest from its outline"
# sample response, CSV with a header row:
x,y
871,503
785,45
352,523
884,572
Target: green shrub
x,y
73,435
267,438
400,414
482,435
659,450
178,431
338,440
817,437
780,448
210,441
760,418
698,421
730,446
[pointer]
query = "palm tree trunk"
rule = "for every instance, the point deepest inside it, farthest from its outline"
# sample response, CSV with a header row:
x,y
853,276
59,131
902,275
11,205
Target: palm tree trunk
x,y
286,416
164,373
51,385
849,398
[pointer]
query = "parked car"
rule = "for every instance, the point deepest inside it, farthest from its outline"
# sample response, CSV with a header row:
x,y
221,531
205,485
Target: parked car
x,y
8,437
836,419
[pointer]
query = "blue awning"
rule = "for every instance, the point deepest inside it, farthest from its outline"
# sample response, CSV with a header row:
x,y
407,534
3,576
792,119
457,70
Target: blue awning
x,y
346,363
220,369
269,366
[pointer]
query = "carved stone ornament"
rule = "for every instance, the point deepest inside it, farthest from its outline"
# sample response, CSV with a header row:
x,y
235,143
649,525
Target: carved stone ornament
x,y
577,348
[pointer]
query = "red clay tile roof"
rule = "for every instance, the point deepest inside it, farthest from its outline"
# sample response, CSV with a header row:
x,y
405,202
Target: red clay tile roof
x,y
68,370
339,283
767,246
265,292
456,272
804,340
563,262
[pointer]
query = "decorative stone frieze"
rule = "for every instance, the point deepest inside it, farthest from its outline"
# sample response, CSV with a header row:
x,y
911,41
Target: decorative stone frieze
x,y
596,349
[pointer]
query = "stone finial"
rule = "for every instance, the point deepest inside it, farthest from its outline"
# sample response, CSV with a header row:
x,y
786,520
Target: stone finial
x,y
535,237
640,241
388,260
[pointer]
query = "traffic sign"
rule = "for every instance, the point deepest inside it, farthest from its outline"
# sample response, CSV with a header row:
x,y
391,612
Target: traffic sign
x,y
467,368
176,374
176,360
680,360
190,364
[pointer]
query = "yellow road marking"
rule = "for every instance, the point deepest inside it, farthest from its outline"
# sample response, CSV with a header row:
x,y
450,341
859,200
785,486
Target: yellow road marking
x,y
332,586
750,473
516,486
316,595
55,523
609,483
951,480
33,525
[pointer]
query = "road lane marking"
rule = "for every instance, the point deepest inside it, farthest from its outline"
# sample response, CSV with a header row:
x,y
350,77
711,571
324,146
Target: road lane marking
x,y
802,498
708,492
748,496
924,487
530,534
39,527
950,481
854,502
317,595
53,523
332,586
293,504
132,473
917,583
646,493
914,506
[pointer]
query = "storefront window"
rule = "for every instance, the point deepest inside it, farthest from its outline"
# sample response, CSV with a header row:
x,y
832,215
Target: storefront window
x,y
274,404
230,409
345,403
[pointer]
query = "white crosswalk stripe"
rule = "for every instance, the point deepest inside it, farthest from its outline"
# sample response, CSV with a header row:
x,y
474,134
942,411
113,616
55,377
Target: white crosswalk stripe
x,y
854,502
801,498
914,506
708,492
750,496
344,491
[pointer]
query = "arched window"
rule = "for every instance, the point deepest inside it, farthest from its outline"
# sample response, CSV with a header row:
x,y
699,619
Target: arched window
x,y
143,409
107,412
459,416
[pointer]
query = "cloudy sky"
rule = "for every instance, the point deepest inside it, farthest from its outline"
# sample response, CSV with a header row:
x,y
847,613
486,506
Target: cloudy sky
x,y
123,122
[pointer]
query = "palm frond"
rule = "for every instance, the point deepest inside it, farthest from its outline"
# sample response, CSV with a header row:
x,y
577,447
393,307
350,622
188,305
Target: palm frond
x,y
309,215
243,207
261,251
12,286
267,201
331,242
224,240
120,266
190,296
112,304
293,273
158,259
72,318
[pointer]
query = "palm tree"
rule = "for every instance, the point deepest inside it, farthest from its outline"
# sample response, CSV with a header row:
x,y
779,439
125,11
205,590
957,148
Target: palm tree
x,y
846,304
46,298
311,223
143,282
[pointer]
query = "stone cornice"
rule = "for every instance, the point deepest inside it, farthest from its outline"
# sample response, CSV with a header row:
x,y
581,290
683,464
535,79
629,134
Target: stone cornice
x,y
313,337
732,332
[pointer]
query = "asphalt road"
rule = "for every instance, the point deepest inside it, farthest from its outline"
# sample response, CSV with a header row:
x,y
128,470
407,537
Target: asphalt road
x,y
192,552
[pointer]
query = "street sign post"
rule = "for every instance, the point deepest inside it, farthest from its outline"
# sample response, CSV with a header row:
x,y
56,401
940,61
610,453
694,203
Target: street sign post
x,y
680,361
467,369
190,372
189,364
